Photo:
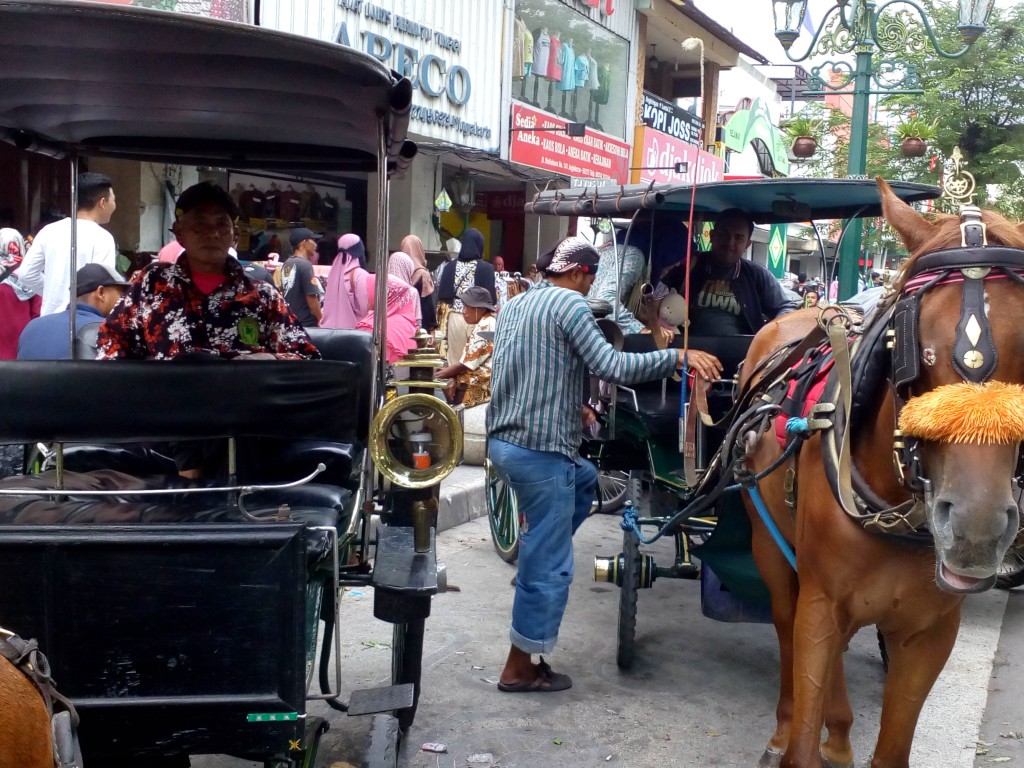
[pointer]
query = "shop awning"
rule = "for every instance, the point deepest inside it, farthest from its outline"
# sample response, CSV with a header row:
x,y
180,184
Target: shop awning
x,y
100,79
768,201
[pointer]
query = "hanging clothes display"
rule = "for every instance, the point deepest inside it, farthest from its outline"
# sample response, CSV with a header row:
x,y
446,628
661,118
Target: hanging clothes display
x,y
582,67
567,63
541,52
555,60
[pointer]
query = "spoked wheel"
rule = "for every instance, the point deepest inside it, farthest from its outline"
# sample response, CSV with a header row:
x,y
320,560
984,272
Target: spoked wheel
x,y
384,739
612,489
407,664
1011,570
503,513
628,592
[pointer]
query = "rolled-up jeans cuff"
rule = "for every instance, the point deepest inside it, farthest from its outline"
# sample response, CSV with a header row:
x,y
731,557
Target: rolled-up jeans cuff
x,y
526,645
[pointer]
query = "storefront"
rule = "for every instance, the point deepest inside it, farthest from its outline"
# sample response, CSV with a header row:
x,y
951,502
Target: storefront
x,y
450,52
666,148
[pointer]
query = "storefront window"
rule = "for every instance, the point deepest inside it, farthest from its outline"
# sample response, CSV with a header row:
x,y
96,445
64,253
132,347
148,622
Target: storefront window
x,y
568,65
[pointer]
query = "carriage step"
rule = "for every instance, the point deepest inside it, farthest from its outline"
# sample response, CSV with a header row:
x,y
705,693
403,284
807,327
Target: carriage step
x,y
370,701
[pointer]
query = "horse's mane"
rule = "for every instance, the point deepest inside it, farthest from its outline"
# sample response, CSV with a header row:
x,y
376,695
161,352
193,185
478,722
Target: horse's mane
x,y
946,234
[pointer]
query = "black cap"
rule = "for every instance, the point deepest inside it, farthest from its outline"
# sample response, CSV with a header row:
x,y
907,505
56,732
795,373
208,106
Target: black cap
x,y
92,276
301,233
477,296
205,193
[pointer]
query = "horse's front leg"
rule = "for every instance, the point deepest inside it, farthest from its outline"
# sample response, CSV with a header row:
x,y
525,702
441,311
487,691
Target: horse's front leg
x,y
818,643
914,664
837,751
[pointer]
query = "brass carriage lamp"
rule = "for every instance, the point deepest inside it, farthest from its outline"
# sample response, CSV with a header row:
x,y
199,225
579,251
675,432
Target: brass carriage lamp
x,y
789,16
974,15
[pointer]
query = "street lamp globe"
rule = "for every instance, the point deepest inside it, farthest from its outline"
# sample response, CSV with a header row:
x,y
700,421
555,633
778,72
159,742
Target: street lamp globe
x,y
789,15
974,16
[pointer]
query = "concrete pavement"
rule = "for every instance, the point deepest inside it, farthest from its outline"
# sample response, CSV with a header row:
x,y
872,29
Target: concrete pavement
x,y
462,497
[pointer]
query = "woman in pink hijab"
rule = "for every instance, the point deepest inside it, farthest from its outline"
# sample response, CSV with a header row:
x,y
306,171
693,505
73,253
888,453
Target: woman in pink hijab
x,y
401,266
401,318
346,299
421,281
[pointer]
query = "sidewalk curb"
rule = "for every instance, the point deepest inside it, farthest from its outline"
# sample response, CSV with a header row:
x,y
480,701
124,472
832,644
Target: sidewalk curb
x,y
462,497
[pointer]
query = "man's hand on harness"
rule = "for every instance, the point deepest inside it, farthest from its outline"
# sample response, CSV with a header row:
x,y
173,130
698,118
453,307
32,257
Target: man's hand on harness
x,y
704,364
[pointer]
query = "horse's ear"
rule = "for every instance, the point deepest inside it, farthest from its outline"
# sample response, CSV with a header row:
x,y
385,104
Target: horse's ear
x,y
912,226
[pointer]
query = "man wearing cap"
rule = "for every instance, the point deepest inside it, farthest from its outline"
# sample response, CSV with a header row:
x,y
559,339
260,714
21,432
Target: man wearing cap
x,y
203,302
46,337
546,342
296,280
471,376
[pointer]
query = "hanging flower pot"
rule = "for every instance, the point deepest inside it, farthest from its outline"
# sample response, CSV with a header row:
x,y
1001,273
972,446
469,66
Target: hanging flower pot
x,y
804,146
913,146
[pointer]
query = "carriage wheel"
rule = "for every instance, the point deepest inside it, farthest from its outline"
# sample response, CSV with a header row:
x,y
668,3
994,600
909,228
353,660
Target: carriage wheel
x,y
503,513
1011,571
407,664
384,738
628,591
315,728
612,489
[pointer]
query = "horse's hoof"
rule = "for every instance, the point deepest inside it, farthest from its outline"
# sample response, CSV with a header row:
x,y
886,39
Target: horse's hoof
x,y
770,759
829,764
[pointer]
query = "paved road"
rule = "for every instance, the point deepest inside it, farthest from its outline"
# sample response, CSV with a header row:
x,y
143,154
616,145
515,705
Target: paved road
x,y
702,692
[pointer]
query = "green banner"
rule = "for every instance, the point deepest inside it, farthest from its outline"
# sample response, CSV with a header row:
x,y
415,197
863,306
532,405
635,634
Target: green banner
x,y
777,260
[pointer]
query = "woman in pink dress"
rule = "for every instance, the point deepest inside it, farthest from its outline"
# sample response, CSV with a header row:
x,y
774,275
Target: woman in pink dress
x,y
401,317
346,298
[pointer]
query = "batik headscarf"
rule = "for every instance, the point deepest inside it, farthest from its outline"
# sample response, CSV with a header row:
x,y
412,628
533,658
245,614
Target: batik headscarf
x,y
12,251
401,265
569,254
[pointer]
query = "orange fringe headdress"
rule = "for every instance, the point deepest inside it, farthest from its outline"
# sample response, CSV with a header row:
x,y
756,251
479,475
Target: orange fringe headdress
x,y
988,414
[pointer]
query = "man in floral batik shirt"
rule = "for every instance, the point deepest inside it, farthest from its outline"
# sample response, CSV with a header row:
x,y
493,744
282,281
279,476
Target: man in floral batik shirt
x,y
203,302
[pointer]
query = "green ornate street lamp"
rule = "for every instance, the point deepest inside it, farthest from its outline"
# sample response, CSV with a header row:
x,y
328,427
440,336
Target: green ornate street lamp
x,y
860,26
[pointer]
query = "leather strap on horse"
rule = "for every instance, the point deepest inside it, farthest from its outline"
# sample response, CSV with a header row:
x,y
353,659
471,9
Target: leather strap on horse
x,y
30,661
698,407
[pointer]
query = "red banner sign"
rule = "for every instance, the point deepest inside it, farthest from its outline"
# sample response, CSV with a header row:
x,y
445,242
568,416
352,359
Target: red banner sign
x,y
595,155
658,153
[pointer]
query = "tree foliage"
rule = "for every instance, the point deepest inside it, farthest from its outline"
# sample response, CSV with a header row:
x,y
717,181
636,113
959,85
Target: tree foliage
x,y
977,101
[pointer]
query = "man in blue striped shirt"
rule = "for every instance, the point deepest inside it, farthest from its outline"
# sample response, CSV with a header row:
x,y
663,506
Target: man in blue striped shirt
x,y
545,342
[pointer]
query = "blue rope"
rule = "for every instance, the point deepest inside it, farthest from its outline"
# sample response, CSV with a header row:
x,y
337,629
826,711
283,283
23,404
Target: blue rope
x,y
630,522
762,512
798,426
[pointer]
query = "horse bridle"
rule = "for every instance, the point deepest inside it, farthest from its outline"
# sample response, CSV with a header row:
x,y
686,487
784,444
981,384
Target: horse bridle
x,y
974,353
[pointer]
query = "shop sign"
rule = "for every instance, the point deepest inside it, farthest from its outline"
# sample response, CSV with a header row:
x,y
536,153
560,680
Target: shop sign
x,y
232,10
499,204
657,154
577,181
439,49
595,155
664,116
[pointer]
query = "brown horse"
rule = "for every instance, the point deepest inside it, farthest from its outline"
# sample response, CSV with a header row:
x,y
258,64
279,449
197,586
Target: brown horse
x,y
25,738
848,577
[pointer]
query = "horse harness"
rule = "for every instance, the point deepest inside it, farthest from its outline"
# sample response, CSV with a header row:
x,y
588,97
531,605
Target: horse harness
x,y
837,381
30,661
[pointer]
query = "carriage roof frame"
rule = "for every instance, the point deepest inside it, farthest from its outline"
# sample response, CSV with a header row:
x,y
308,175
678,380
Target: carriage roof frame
x,y
768,201
150,85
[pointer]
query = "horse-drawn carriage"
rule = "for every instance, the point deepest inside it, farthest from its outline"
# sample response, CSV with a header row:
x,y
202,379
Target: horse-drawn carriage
x,y
834,481
185,617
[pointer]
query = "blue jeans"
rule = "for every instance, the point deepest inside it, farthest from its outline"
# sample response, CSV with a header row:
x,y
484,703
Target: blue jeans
x,y
555,496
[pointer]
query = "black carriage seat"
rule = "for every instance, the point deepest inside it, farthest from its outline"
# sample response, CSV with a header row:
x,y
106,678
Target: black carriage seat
x,y
289,459
661,414
185,400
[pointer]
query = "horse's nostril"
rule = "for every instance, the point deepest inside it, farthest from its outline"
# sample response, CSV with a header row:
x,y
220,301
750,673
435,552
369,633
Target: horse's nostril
x,y
941,511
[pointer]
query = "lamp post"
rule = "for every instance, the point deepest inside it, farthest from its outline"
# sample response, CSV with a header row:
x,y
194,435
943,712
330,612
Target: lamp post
x,y
859,27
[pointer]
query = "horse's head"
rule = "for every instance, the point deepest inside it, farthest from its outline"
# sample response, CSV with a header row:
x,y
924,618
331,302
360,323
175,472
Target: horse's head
x,y
958,371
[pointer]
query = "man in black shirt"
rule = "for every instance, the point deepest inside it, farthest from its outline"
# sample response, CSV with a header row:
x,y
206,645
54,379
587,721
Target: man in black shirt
x,y
296,280
728,294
